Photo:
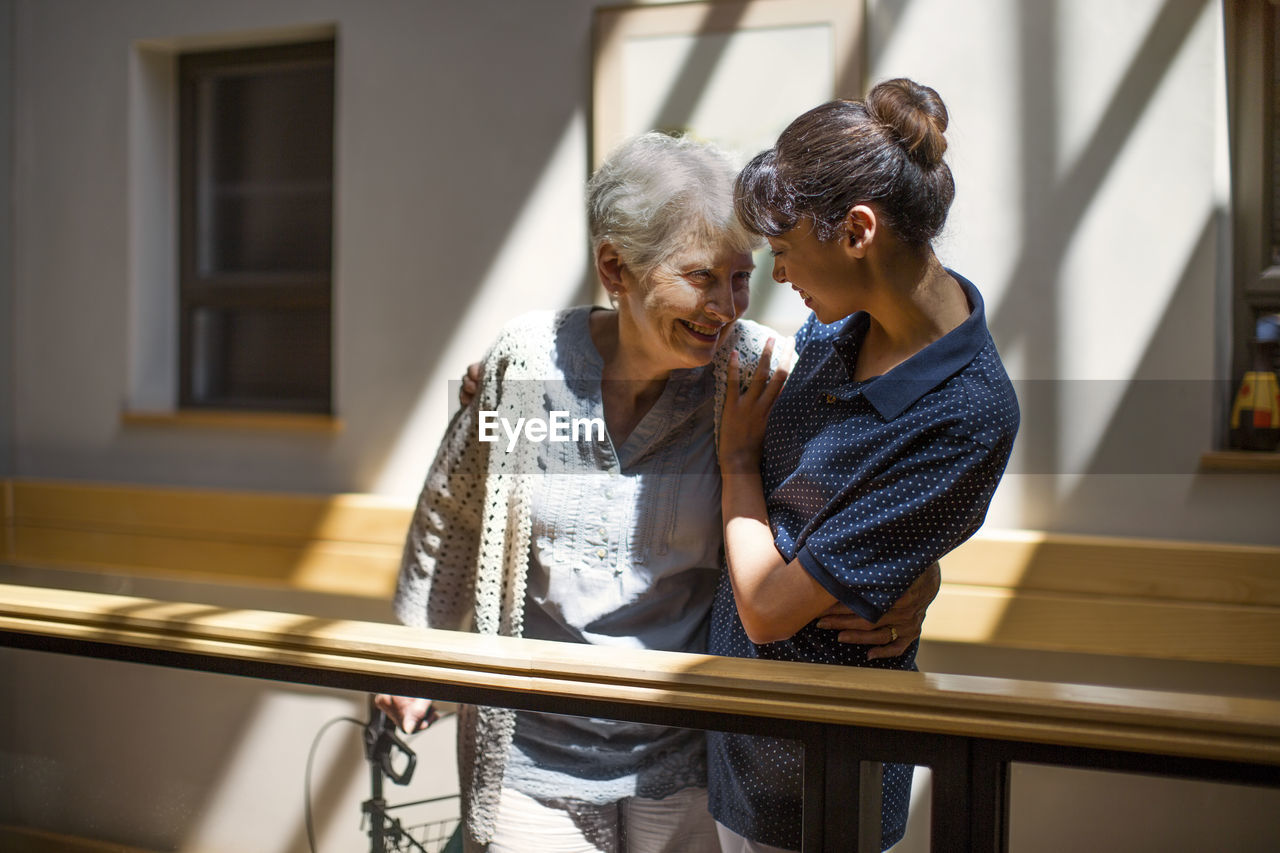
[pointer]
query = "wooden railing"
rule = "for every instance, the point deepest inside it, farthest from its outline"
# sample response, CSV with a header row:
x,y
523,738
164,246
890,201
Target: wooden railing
x,y
967,729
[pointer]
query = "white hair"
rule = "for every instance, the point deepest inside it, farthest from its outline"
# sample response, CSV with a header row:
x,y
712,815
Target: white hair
x,y
656,195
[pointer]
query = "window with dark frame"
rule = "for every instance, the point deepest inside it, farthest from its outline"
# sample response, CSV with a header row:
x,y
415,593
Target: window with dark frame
x,y
1272,96
256,228
1263,290
1253,80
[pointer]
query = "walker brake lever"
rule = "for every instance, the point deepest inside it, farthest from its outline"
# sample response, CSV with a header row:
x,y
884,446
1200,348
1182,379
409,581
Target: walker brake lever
x,y
383,747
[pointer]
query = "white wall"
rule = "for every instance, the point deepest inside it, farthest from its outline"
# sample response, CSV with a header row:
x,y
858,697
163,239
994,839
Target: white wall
x,y
7,323
1088,146
1087,142
451,118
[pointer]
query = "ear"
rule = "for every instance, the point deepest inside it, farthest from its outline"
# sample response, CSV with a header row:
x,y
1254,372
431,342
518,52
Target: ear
x,y
859,229
609,268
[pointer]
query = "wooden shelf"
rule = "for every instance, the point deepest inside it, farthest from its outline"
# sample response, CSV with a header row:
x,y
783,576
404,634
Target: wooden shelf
x,y
228,419
1257,461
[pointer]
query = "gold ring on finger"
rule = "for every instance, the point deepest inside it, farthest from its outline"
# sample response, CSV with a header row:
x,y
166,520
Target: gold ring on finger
x,y
893,634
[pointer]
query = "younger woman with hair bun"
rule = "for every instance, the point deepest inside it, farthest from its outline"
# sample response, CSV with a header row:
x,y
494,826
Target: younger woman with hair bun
x,y
885,445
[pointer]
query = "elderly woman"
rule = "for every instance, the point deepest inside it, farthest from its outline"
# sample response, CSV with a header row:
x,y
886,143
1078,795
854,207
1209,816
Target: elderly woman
x,y
615,539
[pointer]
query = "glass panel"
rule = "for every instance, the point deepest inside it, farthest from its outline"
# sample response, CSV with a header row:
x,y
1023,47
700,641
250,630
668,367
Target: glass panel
x,y
264,170
256,228
242,357
1060,809
166,759
916,839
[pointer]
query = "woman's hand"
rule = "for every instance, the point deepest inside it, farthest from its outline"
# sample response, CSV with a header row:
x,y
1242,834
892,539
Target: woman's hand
x,y
410,714
897,628
745,413
470,383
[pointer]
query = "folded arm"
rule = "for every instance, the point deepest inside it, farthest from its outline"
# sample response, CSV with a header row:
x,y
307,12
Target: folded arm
x,y
776,597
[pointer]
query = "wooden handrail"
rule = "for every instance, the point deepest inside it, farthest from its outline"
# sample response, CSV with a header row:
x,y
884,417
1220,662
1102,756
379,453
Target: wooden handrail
x,y
700,686
969,730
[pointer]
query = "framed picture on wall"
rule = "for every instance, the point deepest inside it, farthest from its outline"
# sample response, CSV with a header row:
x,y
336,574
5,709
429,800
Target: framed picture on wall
x,y
734,72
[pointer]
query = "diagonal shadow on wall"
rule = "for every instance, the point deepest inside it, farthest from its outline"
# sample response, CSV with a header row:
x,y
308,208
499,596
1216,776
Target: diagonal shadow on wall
x,y
1054,208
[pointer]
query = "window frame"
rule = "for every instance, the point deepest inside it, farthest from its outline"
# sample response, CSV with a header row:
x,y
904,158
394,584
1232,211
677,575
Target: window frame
x,y
309,291
1251,36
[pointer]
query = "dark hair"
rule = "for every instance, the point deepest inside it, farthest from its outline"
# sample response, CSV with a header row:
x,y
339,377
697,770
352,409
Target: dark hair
x,y
885,151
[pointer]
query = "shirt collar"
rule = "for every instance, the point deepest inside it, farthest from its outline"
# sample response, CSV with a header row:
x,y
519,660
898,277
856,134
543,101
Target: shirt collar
x,y
896,391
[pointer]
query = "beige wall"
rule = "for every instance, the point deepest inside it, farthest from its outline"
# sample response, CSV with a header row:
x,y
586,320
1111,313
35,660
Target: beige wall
x,y
459,130
7,323
461,146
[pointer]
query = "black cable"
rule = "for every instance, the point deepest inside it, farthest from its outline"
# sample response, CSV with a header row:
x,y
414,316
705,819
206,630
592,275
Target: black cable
x,y
306,778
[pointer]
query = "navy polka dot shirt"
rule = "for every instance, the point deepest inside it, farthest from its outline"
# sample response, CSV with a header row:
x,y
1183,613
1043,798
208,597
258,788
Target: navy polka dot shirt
x,y
867,483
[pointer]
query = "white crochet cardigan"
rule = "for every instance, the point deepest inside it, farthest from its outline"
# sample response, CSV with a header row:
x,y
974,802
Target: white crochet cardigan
x,y
466,553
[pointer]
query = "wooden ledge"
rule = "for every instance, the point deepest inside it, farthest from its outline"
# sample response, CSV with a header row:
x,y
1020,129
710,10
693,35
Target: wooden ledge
x,y
1193,601
346,544
16,839
206,514
1244,461
234,420
1214,727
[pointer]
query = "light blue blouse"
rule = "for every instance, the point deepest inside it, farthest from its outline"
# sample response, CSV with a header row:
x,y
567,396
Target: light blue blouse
x,y
625,552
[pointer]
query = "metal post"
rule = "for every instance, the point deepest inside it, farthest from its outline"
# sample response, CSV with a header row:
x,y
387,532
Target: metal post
x,y
953,798
990,785
814,771
377,809
842,793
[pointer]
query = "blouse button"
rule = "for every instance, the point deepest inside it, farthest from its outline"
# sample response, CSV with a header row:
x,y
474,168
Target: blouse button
x,y
600,553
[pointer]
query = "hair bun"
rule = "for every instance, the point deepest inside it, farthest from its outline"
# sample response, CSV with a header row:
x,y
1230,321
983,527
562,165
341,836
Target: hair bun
x,y
914,114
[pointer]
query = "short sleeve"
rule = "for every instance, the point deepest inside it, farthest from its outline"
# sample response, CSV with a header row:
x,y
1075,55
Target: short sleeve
x,y
880,533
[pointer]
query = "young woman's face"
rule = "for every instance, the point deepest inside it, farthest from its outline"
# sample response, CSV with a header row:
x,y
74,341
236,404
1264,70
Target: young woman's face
x,y
819,271
683,308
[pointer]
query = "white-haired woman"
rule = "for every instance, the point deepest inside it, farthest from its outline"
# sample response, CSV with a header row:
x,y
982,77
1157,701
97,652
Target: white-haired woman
x,y
616,540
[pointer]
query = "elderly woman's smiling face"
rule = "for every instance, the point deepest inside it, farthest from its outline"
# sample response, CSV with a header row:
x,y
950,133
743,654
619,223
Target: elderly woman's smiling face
x,y
681,310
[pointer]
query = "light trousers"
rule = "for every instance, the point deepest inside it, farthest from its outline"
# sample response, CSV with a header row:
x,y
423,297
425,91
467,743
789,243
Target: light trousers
x,y
677,824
